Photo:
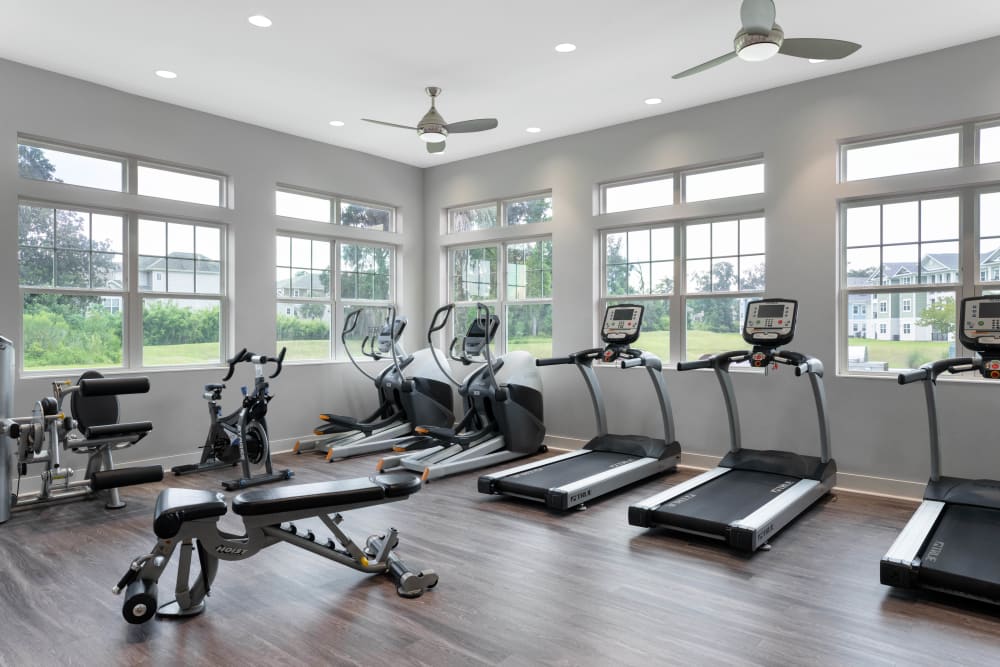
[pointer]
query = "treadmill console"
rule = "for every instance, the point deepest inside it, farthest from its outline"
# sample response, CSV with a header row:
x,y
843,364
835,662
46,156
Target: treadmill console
x,y
622,324
980,323
770,322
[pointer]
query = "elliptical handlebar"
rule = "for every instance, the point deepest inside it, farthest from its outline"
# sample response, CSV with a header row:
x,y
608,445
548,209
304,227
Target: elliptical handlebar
x,y
931,371
483,313
435,327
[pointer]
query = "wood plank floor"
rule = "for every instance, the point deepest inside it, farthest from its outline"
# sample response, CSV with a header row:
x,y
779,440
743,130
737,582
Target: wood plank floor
x,y
519,586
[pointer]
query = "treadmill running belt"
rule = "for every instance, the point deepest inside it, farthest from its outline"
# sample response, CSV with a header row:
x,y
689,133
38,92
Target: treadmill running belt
x,y
962,554
711,507
535,483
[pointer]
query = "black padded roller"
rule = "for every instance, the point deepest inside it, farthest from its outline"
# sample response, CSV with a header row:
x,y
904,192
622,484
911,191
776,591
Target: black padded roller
x,y
113,386
111,479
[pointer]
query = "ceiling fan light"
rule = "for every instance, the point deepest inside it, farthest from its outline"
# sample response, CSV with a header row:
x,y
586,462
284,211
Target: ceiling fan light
x,y
432,136
758,51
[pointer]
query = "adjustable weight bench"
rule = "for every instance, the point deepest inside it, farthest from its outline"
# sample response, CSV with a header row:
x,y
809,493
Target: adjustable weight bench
x,y
189,519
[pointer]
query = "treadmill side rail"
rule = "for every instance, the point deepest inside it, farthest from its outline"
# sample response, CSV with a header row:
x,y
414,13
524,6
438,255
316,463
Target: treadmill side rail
x,y
638,514
570,495
487,483
900,563
753,531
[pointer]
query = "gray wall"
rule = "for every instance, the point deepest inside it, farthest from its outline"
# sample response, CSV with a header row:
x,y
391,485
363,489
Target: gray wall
x,y
879,429
61,108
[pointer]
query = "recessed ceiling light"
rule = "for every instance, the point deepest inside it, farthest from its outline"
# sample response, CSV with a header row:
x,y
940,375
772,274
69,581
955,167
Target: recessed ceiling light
x,y
653,100
565,47
816,60
260,21
166,74
533,130
337,123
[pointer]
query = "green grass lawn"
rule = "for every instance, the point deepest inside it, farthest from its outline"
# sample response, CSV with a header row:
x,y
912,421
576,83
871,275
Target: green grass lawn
x,y
898,354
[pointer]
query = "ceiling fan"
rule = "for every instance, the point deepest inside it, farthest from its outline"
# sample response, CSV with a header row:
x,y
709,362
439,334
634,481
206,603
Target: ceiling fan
x,y
434,130
760,38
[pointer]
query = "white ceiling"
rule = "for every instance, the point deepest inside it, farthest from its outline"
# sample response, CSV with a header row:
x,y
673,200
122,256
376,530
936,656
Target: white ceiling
x,y
324,60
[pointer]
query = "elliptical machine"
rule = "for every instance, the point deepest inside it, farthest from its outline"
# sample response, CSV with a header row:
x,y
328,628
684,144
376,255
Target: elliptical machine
x,y
420,395
241,437
503,417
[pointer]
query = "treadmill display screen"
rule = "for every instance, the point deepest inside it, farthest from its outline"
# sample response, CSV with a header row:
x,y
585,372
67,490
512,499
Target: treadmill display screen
x,y
989,309
625,314
771,310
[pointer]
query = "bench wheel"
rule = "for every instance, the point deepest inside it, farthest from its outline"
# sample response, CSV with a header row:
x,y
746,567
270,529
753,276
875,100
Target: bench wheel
x,y
140,601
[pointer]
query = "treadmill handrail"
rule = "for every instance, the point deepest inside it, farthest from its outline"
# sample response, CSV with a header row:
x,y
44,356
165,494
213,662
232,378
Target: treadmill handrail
x,y
928,373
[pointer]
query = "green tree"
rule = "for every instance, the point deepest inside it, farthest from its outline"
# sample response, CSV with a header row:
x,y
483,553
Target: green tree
x,y
719,314
940,316
529,210
366,217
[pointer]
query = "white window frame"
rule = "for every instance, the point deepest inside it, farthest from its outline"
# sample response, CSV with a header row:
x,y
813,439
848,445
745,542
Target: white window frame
x,y
131,296
130,163
500,208
679,296
907,305
848,145
334,301
502,301
985,125
678,175
906,329
335,201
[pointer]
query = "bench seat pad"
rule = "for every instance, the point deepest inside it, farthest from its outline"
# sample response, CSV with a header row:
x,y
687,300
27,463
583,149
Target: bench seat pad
x,y
326,496
175,506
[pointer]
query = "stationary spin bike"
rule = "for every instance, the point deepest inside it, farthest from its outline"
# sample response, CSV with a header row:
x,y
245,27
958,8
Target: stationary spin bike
x,y
241,436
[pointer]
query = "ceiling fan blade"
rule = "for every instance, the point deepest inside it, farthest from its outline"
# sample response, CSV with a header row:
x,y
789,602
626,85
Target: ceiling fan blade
x,y
475,125
437,147
382,122
757,16
704,66
818,49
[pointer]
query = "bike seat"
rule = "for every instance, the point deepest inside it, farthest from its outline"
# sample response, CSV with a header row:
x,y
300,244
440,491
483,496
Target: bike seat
x,y
325,497
175,506
214,387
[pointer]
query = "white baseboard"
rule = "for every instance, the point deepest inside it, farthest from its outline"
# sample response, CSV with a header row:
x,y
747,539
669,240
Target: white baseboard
x,y
847,482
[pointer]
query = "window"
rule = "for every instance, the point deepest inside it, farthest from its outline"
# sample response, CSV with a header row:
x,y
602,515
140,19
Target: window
x,y
317,282
901,252
716,182
906,155
728,182
723,267
988,144
74,291
44,161
317,207
639,266
180,185
489,215
41,162
637,195
519,287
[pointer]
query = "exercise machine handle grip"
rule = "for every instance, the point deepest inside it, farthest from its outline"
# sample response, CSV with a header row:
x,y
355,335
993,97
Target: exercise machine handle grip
x,y
915,375
278,361
351,322
555,361
695,365
635,361
436,326
232,363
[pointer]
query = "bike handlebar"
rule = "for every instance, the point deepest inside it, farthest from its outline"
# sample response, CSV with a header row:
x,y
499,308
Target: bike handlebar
x,y
232,363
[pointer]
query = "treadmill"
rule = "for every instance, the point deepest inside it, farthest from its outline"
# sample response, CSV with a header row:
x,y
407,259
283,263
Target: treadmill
x,y
950,542
608,462
753,493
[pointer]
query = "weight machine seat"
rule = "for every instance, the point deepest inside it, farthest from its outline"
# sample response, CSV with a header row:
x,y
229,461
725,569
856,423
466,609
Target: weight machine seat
x,y
124,430
327,496
175,506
